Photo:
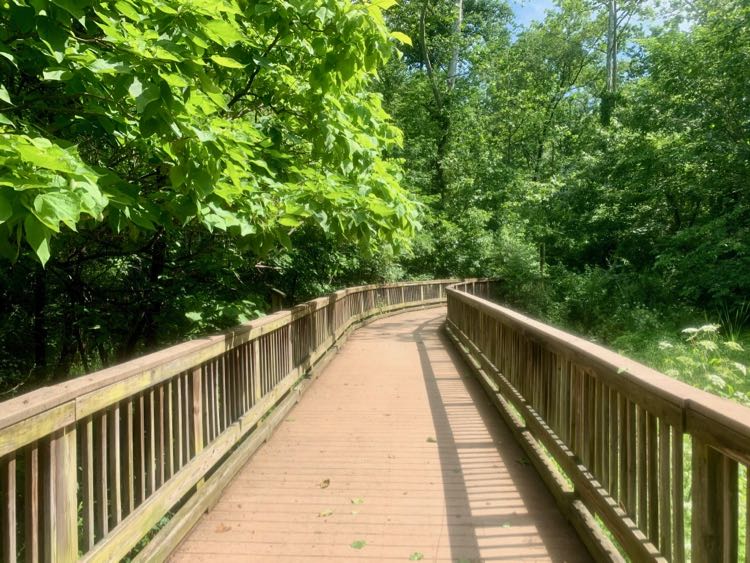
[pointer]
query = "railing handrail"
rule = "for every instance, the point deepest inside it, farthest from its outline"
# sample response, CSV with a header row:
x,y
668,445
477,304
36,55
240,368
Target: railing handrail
x,y
616,429
39,400
691,400
105,456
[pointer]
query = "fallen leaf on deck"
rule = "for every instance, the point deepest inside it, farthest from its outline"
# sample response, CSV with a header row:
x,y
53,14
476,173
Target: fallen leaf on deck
x,y
358,500
325,513
324,483
221,528
431,440
416,556
359,544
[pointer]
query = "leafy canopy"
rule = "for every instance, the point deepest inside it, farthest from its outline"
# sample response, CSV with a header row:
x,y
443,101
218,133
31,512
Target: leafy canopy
x,y
248,117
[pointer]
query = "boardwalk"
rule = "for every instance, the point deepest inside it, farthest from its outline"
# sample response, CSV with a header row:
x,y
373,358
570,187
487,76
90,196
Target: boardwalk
x,y
393,453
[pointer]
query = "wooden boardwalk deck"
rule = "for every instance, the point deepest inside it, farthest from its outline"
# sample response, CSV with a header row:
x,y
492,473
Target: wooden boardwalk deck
x,y
395,446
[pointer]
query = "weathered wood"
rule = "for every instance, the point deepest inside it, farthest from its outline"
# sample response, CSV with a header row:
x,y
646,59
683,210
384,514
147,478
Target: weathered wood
x,y
60,509
8,520
33,428
101,475
115,477
714,530
89,495
621,525
31,527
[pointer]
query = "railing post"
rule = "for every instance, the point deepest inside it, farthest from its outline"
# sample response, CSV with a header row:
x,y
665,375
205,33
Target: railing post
x,y
59,497
714,523
421,293
257,389
197,410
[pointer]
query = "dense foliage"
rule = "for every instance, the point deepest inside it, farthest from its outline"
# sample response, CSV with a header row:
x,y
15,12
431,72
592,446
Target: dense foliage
x,y
618,208
158,156
169,162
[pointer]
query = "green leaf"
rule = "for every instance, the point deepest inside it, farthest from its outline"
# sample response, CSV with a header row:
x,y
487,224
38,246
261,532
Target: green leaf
x,y
358,544
127,9
289,221
74,7
401,37
416,556
53,207
226,61
4,95
38,237
358,500
6,209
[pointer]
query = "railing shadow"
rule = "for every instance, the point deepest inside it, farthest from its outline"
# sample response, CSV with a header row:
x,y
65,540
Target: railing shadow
x,y
496,510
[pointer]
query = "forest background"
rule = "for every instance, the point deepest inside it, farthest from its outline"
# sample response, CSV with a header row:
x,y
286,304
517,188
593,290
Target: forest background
x,y
166,165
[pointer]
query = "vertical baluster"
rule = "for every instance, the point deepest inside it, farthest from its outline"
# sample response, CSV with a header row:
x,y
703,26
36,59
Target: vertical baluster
x,y
180,422
665,519
170,430
714,518
140,449
152,442
87,486
100,460
678,511
614,444
642,453
197,411
653,478
628,464
8,516
59,496
222,391
130,440
31,534
114,465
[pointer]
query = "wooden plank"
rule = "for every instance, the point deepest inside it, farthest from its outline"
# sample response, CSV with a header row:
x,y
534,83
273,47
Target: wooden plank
x,y
653,478
677,496
161,460
60,508
32,526
100,463
151,442
114,461
197,410
181,424
170,438
87,485
665,473
8,520
36,427
66,489
714,516
130,441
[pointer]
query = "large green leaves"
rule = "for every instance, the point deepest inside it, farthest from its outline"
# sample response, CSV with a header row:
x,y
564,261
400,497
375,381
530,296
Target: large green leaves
x,y
200,111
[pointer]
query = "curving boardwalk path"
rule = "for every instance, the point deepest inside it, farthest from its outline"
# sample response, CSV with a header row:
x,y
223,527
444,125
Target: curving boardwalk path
x,y
394,446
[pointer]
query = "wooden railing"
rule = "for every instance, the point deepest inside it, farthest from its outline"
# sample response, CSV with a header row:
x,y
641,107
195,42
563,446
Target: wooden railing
x,y
628,440
92,467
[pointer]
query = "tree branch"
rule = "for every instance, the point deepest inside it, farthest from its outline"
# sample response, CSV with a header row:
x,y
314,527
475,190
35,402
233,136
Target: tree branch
x,y
246,90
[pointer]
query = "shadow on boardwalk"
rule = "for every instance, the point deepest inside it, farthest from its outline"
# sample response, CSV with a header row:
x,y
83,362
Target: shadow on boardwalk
x,y
396,451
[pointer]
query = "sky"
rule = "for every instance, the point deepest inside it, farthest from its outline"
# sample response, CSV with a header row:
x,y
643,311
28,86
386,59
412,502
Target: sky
x,y
527,11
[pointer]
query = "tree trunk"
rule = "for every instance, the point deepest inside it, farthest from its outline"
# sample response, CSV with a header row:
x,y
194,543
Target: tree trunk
x,y
610,91
453,67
